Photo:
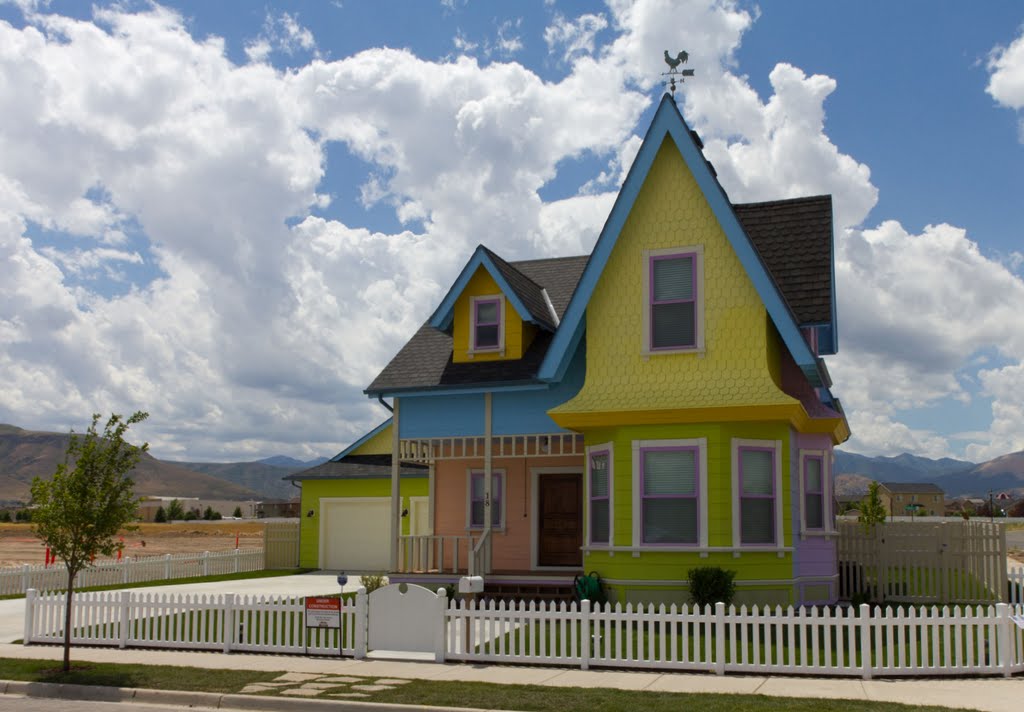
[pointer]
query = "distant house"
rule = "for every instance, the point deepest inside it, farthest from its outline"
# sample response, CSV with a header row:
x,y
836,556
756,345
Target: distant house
x,y
844,503
912,498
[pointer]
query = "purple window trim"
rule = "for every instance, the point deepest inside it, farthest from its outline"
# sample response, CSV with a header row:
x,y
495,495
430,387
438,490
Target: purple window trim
x,y
820,492
476,323
695,496
739,454
607,498
498,480
651,302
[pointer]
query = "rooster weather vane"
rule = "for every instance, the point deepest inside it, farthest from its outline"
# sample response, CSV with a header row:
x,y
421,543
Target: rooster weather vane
x,y
674,71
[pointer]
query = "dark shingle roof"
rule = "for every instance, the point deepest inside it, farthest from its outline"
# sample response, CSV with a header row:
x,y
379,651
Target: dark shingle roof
x,y
426,359
355,467
912,487
528,291
794,239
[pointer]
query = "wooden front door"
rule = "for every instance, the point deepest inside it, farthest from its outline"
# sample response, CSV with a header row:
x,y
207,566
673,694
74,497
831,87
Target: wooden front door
x,y
560,529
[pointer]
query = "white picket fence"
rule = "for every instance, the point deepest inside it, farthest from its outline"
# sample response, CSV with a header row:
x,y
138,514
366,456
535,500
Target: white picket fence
x,y
1015,585
864,641
224,622
111,572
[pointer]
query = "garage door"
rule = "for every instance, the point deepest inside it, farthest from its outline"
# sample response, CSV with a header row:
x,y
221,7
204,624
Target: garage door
x,y
354,534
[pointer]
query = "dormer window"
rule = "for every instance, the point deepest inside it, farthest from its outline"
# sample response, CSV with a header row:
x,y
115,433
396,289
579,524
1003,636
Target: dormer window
x,y
673,306
488,324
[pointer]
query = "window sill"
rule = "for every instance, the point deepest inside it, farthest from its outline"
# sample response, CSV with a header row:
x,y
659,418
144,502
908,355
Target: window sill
x,y
699,351
485,352
704,551
819,534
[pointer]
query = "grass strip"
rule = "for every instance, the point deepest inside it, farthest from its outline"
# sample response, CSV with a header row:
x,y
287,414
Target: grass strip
x,y
241,576
542,698
527,698
153,677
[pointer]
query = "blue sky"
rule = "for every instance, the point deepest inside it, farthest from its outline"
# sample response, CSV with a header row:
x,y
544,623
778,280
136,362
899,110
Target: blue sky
x,y
233,214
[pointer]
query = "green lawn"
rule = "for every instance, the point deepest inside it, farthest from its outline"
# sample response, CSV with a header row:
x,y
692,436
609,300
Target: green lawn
x,y
427,692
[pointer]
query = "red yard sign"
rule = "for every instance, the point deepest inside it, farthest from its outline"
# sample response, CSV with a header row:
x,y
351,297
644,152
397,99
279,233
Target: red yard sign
x,y
323,612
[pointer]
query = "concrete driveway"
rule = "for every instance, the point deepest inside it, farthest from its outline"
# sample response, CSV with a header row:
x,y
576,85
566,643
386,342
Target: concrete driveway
x,y
12,612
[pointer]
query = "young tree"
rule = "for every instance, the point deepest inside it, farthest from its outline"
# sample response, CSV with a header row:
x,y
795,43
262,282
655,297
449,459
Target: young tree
x,y
161,516
238,513
872,511
175,511
88,501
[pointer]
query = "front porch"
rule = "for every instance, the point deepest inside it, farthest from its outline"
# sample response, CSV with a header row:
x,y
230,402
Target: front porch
x,y
524,520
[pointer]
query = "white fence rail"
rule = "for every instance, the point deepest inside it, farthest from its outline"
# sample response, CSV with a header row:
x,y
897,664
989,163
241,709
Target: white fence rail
x,y
225,622
862,641
111,572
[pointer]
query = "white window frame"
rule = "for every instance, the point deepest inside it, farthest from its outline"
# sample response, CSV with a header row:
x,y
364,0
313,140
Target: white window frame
x,y
472,347
698,272
702,494
608,447
828,516
776,446
469,499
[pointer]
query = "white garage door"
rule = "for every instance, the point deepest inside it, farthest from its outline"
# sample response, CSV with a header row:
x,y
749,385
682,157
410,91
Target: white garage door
x,y
354,534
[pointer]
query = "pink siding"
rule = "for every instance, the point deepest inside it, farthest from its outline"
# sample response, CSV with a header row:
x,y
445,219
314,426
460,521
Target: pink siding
x,y
511,547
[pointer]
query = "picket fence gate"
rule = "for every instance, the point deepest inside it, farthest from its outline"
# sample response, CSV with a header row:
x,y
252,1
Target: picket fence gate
x,y
113,572
864,641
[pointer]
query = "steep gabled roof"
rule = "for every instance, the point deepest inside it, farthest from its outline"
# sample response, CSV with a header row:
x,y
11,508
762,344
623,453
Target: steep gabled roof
x,y
524,294
425,362
794,238
668,124
358,467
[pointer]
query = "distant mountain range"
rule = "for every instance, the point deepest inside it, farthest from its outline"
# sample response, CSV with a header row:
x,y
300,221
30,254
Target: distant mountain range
x,y
25,454
263,476
956,477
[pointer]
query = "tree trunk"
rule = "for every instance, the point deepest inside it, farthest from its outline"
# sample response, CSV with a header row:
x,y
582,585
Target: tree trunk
x,y
67,620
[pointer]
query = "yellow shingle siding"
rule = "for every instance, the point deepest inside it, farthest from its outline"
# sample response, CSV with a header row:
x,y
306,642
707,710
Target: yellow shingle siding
x,y
517,334
379,444
670,211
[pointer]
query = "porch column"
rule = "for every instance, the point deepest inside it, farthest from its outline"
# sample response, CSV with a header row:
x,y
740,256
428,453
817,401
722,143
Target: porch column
x,y
396,499
487,462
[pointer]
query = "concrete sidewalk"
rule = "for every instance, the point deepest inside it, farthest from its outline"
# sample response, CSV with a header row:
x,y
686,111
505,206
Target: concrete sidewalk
x,y
995,694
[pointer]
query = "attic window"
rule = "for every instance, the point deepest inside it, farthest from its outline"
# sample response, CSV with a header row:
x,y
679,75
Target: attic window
x,y
487,323
673,309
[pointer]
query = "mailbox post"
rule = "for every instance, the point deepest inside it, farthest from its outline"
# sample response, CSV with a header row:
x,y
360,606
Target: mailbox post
x,y
469,587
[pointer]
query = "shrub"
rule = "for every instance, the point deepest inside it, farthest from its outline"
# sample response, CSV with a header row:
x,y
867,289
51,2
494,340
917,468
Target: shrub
x,y
208,514
371,582
237,514
190,516
5,516
711,584
160,516
216,516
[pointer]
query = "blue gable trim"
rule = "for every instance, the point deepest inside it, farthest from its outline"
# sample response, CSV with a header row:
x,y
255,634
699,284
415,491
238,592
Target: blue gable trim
x,y
669,122
443,315
351,448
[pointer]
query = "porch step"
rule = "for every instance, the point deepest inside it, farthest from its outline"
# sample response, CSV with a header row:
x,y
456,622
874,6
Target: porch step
x,y
539,592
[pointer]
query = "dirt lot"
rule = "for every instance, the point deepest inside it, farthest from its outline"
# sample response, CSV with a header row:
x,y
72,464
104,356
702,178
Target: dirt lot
x,y
18,546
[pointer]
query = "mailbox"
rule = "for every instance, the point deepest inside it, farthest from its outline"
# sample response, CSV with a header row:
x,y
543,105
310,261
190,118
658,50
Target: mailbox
x,y
471,584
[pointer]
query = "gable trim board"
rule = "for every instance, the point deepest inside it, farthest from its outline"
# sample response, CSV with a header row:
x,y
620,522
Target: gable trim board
x,y
362,441
669,123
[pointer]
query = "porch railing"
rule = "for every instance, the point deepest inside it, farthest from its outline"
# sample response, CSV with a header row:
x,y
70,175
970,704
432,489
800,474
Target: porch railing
x,y
447,553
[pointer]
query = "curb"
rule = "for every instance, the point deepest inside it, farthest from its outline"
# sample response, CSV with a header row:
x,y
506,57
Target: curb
x,y
215,700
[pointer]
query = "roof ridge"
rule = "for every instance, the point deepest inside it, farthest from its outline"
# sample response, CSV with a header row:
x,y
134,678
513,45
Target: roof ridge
x,y
498,258
550,259
778,201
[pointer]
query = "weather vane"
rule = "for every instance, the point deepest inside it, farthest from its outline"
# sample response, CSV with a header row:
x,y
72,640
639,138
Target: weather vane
x,y
674,71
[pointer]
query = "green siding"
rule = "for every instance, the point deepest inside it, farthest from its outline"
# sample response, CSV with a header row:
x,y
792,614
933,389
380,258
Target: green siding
x,y
314,490
671,567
